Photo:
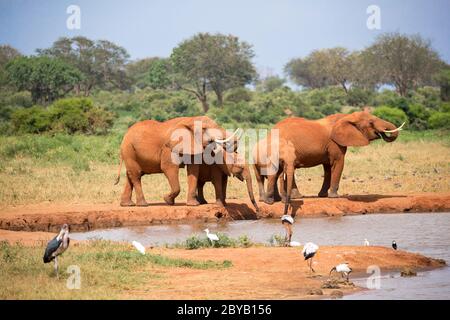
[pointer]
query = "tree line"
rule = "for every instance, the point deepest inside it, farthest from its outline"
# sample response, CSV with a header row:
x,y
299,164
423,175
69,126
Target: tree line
x,y
218,68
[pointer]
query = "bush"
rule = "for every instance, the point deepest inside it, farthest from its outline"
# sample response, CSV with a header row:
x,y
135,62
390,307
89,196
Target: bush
x,y
393,115
69,115
358,97
237,95
440,120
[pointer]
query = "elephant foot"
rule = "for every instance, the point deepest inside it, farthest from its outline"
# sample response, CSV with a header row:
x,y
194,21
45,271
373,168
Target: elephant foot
x,y
277,198
202,201
169,200
333,195
127,203
192,202
295,194
323,194
220,203
142,203
269,200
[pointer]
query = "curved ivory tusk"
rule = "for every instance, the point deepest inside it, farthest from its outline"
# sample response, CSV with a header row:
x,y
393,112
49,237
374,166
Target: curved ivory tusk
x,y
227,139
395,130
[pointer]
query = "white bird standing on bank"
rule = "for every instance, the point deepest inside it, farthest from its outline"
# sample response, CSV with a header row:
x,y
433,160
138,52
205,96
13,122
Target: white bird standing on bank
x,y
343,269
309,251
57,246
139,247
211,236
366,242
287,221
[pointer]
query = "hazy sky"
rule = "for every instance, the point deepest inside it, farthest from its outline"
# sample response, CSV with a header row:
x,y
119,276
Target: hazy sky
x,y
279,30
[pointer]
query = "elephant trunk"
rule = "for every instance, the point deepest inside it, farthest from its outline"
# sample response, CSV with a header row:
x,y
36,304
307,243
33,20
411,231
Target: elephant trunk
x,y
289,172
248,181
388,131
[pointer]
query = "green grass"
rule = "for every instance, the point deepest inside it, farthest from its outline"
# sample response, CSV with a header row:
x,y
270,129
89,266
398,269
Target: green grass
x,y
108,270
196,241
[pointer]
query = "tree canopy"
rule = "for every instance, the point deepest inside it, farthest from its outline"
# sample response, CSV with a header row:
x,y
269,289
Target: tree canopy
x,y
46,78
101,62
212,62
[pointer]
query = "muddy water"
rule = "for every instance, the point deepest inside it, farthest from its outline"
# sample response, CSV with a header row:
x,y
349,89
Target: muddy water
x,y
427,233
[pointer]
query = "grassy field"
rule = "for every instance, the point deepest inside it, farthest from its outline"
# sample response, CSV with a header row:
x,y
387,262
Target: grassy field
x,y
82,169
107,271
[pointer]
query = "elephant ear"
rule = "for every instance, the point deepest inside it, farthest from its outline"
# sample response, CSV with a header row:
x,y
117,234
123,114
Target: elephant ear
x,y
345,133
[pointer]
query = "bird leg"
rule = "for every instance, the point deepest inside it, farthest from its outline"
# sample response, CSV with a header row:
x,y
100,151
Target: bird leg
x,y
310,265
56,267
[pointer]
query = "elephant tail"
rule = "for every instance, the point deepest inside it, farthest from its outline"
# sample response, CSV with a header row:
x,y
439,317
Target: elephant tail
x,y
118,174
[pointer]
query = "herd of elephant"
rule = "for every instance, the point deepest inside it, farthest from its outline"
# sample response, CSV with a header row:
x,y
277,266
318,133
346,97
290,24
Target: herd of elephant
x,y
164,147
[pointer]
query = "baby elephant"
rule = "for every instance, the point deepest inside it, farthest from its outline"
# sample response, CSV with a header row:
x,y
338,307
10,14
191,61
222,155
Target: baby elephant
x,y
218,175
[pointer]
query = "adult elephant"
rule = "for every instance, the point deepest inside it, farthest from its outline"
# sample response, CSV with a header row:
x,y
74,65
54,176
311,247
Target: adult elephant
x,y
324,142
162,147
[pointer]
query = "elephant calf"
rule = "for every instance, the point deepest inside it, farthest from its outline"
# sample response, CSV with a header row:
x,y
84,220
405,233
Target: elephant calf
x,y
218,175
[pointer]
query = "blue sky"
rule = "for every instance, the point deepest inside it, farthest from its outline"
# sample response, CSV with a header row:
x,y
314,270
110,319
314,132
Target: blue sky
x,y
278,30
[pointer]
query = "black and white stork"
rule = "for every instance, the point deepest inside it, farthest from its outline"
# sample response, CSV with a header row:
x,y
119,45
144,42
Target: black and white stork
x,y
57,246
394,245
287,221
309,251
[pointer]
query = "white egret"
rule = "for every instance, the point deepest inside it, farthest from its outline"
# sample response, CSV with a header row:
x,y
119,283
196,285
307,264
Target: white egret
x,y
211,236
139,247
366,243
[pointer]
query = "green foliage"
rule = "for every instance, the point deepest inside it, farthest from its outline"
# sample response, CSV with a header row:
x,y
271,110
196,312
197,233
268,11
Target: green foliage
x,y
196,242
237,95
393,115
69,115
440,120
159,74
46,78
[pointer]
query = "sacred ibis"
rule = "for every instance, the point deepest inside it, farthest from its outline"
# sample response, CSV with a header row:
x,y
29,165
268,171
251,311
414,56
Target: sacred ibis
x,y
309,251
57,246
343,269
394,245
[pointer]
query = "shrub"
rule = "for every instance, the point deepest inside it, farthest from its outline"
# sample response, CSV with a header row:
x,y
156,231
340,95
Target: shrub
x,y
393,115
440,120
359,97
69,115
238,94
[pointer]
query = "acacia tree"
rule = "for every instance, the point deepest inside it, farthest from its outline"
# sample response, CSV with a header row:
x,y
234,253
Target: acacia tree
x,y
322,68
407,62
46,78
212,62
101,62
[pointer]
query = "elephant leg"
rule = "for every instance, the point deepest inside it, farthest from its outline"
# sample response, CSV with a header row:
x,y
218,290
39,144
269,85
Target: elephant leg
x,y
271,185
276,191
200,196
192,177
224,189
171,173
140,199
295,193
260,180
125,199
336,171
217,183
326,181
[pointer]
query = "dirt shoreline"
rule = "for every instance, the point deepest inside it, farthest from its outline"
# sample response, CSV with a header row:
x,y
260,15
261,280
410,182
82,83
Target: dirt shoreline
x,y
81,217
257,272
